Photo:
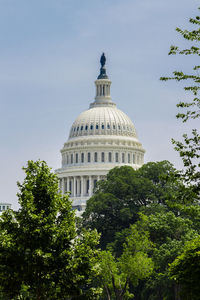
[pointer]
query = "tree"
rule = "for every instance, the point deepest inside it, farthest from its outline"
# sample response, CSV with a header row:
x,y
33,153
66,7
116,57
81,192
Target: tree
x,y
169,233
116,274
185,270
117,200
189,149
41,256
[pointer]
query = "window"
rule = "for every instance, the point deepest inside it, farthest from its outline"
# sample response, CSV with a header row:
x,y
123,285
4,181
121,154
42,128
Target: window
x,y
97,126
119,127
67,159
82,157
95,157
70,186
102,156
102,126
116,157
4,207
91,127
88,157
110,157
113,126
71,158
81,127
76,157
87,186
123,157
78,128
129,158
133,158
95,183
108,126
86,127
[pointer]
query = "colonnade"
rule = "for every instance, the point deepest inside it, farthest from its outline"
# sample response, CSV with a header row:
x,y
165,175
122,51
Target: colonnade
x,y
79,186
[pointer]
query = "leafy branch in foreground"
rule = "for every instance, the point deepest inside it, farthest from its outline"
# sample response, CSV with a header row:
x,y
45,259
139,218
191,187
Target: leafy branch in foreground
x,y
189,149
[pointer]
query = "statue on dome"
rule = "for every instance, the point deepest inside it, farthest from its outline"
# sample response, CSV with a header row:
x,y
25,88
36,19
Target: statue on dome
x,y
103,60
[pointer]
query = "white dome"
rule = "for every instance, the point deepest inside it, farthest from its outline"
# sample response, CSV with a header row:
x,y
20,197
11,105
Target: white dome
x,y
102,120
100,139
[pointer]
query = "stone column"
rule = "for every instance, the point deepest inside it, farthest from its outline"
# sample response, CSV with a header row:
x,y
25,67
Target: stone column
x,y
74,186
63,185
90,186
82,187
68,184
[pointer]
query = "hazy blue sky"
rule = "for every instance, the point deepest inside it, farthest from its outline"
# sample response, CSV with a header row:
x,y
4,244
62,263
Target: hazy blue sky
x,y
49,60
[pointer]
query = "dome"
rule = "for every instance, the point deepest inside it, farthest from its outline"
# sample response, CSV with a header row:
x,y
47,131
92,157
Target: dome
x,y
100,139
102,120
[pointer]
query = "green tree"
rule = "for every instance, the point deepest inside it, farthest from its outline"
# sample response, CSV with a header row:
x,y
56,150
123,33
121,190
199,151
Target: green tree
x,y
118,199
169,233
41,256
134,264
189,149
185,270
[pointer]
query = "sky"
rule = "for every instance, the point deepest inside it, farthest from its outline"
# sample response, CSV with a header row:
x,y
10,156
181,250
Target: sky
x,y
49,60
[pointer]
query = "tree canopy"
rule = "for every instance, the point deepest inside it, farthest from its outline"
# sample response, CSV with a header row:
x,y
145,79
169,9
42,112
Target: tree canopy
x,y
41,256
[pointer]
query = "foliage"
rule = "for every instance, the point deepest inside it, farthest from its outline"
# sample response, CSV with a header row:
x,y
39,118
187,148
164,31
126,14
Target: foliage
x,y
189,149
169,234
133,265
41,256
117,200
185,270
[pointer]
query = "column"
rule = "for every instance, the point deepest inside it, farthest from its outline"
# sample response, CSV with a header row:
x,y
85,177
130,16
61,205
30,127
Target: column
x,y
82,187
63,185
90,186
74,186
67,184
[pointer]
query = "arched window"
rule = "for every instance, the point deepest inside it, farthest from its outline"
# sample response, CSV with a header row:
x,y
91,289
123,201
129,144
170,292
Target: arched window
x,y
82,157
87,186
102,126
86,127
116,157
91,127
70,185
110,157
89,157
95,157
95,183
97,126
102,156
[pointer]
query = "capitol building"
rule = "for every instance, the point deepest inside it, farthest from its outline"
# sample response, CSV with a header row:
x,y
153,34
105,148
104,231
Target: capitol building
x,y
100,139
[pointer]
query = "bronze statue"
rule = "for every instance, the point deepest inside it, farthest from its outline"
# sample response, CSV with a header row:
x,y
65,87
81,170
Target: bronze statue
x,y
103,60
